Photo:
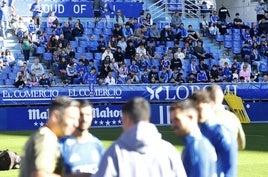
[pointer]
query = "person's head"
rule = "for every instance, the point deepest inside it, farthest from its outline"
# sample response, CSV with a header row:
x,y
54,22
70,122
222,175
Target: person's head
x,y
63,116
216,94
203,103
183,116
134,111
86,115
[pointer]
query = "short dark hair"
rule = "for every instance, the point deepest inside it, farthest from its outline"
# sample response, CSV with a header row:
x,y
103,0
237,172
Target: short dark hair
x,y
183,105
138,109
84,103
200,96
61,103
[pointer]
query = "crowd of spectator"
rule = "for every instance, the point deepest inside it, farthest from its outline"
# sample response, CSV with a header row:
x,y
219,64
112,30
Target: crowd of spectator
x,y
138,50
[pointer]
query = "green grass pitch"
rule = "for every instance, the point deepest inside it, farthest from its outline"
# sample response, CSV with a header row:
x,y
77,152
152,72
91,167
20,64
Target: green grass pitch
x,y
253,161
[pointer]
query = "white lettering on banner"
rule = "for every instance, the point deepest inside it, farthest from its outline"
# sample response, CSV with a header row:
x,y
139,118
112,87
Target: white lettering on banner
x,y
106,113
114,92
181,91
79,9
30,94
36,114
58,8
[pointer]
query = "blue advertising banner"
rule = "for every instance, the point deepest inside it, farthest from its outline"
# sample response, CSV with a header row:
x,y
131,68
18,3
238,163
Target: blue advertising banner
x,y
30,118
122,93
73,8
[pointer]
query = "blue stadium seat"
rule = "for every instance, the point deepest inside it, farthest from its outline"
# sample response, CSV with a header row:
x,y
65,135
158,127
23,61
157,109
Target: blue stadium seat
x,y
97,56
127,61
83,44
100,25
98,31
80,50
9,81
40,50
6,69
89,55
90,24
15,68
88,31
110,25
107,31
78,55
47,57
3,76
2,82
73,44
12,75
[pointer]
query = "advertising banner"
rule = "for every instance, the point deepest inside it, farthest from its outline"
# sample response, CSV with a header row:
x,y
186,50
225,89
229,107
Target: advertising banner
x,y
74,8
33,117
30,118
122,93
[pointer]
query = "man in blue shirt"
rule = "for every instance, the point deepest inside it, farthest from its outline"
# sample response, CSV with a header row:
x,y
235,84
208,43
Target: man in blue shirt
x,y
36,9
82,152
220,137
199,156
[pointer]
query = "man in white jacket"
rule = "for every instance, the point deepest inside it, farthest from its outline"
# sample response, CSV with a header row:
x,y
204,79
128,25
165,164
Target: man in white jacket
x,y
140,150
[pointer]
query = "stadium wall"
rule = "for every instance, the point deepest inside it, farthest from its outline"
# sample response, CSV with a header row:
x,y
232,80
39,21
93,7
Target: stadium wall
x,y
27,109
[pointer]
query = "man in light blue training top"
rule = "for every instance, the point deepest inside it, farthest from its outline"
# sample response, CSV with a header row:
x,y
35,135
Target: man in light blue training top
x,y
140,151
220,136
82,152
199,156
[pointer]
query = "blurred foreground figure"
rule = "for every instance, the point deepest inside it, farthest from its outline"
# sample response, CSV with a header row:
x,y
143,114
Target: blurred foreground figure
x,y
199,156
82,152
219,136
140,151
227,118
41,157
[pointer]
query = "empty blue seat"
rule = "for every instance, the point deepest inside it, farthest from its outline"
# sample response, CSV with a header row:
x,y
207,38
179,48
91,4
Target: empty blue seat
x,y
89,55
78,55
110,25
90,24
83,44
9,81
80,50
73,44
40,50
97,56
100,25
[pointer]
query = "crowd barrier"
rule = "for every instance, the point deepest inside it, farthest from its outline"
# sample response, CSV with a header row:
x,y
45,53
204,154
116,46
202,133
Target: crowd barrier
x,y
27,109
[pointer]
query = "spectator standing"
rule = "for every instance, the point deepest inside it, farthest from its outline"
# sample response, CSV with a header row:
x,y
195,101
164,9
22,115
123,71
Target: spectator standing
x,y
176,20
36,9
140,142
260,9
97,8
26,46
223,13
4,18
